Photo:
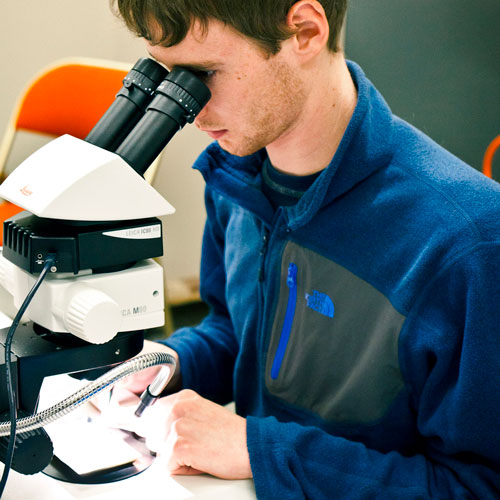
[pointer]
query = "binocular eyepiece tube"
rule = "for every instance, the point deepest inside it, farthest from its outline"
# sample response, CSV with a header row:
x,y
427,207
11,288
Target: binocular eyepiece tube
x,y
149,109
129,105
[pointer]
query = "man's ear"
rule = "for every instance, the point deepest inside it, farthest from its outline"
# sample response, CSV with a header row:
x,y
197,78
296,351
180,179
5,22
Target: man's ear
x,y
308,21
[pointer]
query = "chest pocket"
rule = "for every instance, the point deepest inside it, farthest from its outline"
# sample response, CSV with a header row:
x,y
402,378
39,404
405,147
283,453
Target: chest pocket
x,y
333,346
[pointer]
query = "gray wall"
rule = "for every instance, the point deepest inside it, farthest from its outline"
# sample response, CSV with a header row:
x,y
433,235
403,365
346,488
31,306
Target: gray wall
x,y
437,62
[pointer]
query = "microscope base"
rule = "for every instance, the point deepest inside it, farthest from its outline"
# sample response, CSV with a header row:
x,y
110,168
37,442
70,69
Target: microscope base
x,y
62,472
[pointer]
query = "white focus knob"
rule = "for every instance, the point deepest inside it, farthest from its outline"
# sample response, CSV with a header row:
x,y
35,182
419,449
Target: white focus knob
x,y
92,315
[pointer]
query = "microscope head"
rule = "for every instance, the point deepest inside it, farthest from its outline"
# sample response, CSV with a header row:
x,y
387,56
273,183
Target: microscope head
x,y
71,179
100,179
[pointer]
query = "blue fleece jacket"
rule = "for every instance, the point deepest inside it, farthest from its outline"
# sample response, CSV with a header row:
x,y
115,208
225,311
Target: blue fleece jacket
x,y
358,331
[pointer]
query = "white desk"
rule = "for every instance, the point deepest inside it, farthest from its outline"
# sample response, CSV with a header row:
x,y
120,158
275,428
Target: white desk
x,y
150,484
154,483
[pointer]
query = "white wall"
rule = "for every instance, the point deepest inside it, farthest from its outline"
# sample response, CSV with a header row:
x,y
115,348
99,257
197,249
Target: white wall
x,y
34,33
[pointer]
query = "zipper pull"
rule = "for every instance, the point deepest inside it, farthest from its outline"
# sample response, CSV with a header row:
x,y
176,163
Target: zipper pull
x,y
265,239
263,251
291,279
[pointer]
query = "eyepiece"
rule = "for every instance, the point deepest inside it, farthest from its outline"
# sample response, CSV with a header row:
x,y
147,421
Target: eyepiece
x,y
178,100
188,90
144,69
129,106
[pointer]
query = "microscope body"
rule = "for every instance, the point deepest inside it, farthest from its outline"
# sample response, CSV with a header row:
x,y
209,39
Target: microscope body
x,y
104,288
103,280
88,207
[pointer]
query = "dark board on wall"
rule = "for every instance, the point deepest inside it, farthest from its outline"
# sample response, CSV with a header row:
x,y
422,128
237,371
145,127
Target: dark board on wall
x,y
437,63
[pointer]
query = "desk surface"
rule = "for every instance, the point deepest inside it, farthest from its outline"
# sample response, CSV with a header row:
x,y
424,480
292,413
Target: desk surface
x,y
151,484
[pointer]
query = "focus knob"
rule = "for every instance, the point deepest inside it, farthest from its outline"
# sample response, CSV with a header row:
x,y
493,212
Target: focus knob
x,y
92,315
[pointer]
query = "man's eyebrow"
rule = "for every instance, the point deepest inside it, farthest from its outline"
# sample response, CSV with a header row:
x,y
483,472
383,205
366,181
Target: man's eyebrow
x,y
200,66
195,66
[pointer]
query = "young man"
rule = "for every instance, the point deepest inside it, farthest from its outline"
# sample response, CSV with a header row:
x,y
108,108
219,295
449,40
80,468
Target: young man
x,y
351,266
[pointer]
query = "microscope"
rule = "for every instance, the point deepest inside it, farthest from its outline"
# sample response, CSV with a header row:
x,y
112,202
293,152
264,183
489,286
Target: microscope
x,y
93,219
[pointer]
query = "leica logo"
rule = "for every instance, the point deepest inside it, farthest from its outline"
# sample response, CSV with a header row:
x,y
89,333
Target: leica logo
x,y
26,191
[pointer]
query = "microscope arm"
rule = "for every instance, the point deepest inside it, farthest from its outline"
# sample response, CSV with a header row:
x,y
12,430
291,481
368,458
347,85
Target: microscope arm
x,y
37,354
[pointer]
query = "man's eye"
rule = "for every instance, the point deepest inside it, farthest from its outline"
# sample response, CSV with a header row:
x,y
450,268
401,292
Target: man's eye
x,y
203,75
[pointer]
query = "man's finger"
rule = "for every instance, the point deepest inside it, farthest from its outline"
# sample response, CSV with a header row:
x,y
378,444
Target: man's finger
x,y
137,382
186,470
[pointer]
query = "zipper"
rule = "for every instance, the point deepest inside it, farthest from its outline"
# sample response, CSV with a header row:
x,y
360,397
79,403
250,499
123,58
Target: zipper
x,y
291,282
268,230
263,253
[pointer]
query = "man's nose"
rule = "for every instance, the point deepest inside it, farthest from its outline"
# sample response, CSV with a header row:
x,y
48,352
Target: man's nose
x,y
200,117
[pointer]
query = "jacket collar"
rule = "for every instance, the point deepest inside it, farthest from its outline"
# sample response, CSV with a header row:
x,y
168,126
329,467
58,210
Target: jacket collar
x,y
365,148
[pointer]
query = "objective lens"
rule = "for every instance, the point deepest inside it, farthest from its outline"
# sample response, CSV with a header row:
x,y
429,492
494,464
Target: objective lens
x,y
129,106
178,100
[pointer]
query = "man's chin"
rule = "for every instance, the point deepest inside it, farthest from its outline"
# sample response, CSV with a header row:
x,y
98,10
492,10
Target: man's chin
x,y
236,150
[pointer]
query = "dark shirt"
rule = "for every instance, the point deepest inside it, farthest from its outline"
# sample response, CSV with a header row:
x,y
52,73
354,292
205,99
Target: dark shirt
x,y
283,189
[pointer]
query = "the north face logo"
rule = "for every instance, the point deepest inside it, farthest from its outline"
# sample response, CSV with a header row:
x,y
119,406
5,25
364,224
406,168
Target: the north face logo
x,y
320,302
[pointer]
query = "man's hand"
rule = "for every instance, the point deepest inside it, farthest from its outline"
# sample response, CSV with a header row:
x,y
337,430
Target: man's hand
x,y
192,434
118,406
138,382
198,436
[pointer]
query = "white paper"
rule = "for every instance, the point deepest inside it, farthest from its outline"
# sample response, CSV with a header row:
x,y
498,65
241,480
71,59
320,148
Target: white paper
x,y
91,445
81,439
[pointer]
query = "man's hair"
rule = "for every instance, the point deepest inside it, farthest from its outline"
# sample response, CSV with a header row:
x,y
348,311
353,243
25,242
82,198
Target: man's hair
x,y
166,22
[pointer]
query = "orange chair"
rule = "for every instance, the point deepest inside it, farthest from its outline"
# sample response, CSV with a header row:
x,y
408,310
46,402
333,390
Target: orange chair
x,y
68,97
488,156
